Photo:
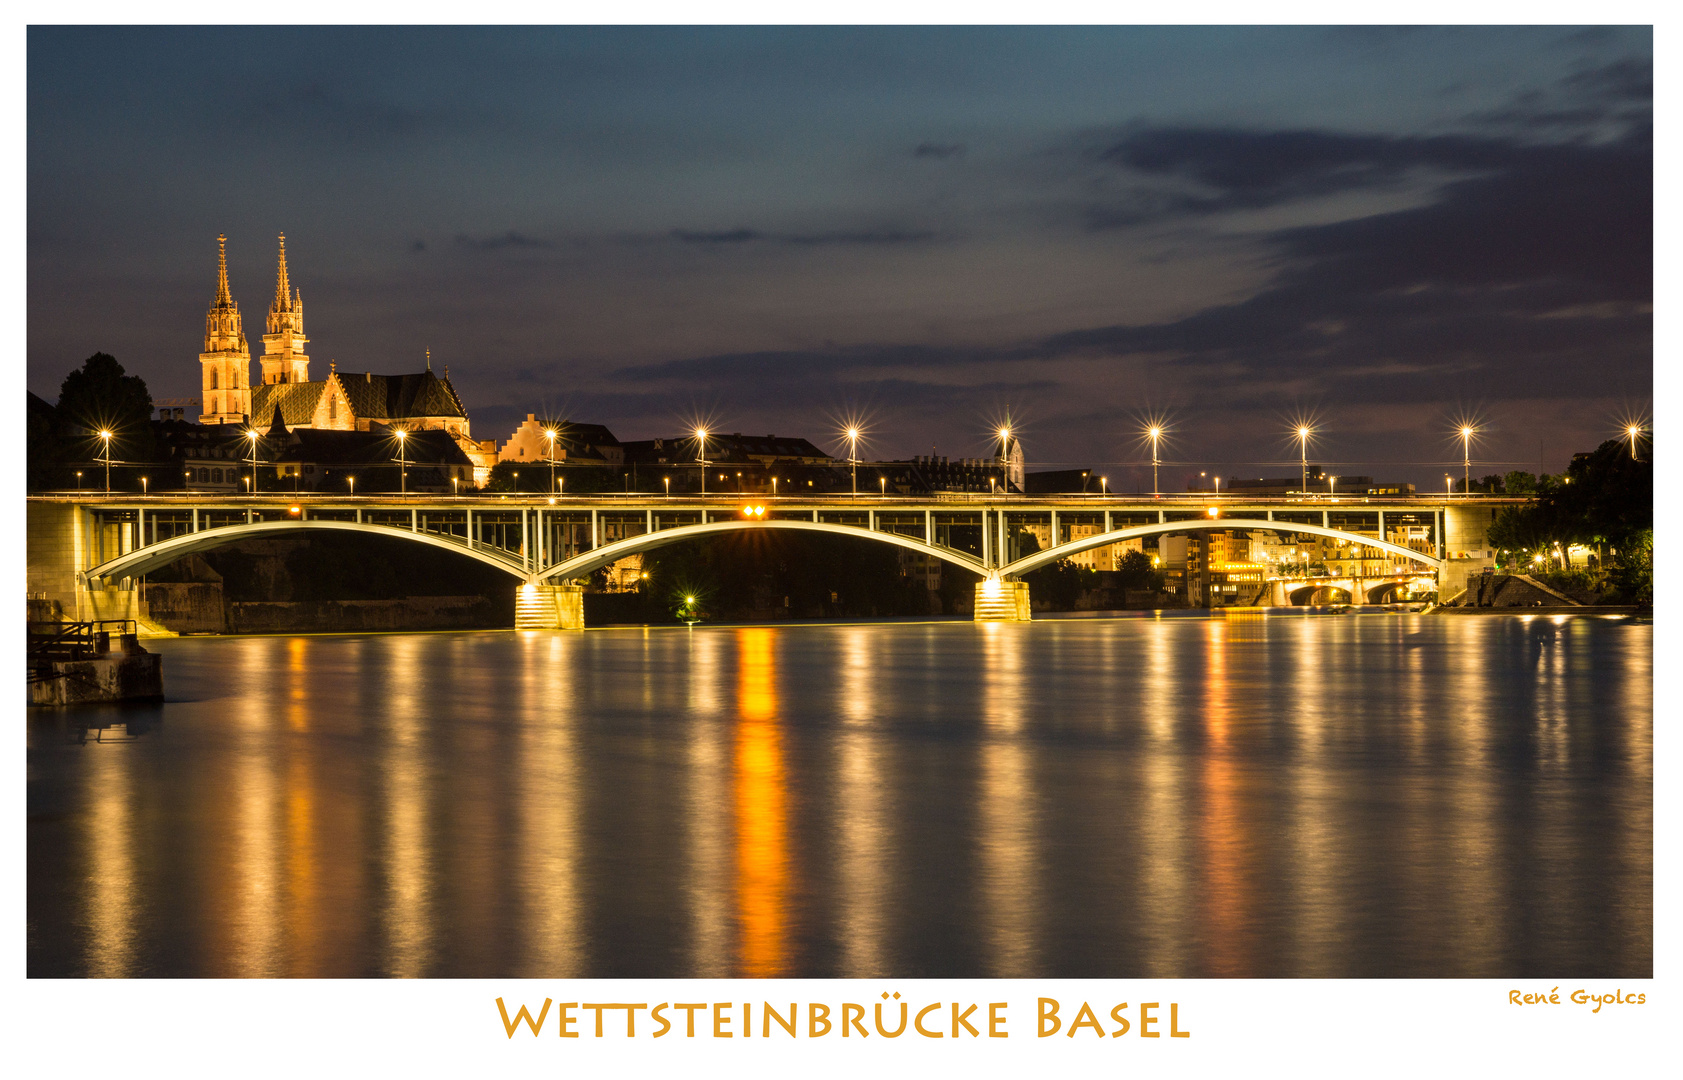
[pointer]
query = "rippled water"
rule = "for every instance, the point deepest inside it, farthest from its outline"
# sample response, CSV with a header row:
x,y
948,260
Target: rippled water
x,y
1354,796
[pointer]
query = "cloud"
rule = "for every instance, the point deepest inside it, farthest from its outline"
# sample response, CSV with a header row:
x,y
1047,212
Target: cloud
x,y
859,237
940,151
510,239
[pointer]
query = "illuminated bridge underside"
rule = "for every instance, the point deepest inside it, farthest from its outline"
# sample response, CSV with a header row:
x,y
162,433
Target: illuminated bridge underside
x,y
155,556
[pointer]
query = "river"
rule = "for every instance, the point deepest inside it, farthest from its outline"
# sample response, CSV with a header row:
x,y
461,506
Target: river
x,y
1376,795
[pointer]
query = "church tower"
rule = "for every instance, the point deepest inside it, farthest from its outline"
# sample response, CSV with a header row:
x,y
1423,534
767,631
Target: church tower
x,y
225,364
283,343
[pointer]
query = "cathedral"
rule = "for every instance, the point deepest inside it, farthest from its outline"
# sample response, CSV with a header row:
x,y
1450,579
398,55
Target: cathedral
x,y
344,401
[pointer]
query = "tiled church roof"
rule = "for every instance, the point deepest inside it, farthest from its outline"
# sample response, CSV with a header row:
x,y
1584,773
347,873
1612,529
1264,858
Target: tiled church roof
x,y
387,397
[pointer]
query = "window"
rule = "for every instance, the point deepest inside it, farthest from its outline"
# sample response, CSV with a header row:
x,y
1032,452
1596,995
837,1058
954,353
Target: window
x,y
216,475
332,407
213,385
213,404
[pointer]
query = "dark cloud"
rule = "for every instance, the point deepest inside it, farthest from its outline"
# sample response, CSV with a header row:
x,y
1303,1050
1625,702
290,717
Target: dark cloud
x,y
865,237
510,239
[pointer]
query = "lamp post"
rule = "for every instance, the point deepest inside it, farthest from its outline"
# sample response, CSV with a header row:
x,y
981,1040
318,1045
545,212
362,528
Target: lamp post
x,y
1156,434
1633,431
1218,487
402,463
774,487
701,457
1004,458
143,490
1332,485
1104,486
78,479
253,436
1303,434
106,435
454,490
1466,458
550,435
883,480
350,478
667,480
853,456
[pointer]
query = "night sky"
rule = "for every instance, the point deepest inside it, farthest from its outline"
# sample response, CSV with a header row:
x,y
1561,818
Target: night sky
x,y
770,229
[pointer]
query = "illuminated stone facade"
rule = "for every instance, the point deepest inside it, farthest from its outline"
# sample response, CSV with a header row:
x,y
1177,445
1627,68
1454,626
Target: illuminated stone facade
x,y
283,341
225,363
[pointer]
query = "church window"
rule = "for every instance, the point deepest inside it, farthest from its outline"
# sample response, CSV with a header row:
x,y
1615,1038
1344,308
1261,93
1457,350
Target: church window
x,y
213,405
332,407
213,385
216,475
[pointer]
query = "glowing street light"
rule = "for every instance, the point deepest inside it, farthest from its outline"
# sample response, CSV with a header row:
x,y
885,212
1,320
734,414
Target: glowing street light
x,y
253,436
667,480
1467,433
853,456
1155,434
1633,431
1303,433
884,481
106,435
78,480
1004,458
701,457
402,467
143,490
350,478
549,433
1104,486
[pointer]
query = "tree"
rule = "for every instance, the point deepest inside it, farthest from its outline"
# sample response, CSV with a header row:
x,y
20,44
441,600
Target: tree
x,y
1061,583
100,396
1136,572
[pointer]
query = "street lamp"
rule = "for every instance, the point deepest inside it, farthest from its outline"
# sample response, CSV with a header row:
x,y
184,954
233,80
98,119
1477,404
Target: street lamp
x,y
774,487
350,478
402,465
1633,431
853,455
701,457
1303,433
1104,486
550,435
143,490
1004,458
453,488
1155,434
1332,485
78,480
106,435
1466,458
253,436
884,481
667,480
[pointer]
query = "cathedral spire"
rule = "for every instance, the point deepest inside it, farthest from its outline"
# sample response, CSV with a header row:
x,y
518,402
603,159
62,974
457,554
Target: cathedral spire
x,y
283,289
223,297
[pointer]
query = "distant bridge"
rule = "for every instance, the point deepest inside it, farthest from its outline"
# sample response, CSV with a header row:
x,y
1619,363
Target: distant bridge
x,y
102,542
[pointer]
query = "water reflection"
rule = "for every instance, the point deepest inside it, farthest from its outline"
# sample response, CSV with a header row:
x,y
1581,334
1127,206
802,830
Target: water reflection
x,y
762,857
1327,797
1005,809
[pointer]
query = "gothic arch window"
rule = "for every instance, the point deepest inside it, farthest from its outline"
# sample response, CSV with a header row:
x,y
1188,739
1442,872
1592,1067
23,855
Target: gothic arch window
x,y
213,406
213,385
332,407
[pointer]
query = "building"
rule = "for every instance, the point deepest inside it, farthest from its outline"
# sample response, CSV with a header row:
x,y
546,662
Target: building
x,y
587,443
344,401
314,459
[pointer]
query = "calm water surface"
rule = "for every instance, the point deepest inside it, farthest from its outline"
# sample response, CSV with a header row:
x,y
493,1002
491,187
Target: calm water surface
x,y
1354,796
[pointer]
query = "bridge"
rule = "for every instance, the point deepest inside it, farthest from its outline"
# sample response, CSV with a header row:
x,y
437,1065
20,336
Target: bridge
x,y
88,549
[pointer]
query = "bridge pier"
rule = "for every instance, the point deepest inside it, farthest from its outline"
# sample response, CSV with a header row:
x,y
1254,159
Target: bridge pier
x,y
549,606
999,600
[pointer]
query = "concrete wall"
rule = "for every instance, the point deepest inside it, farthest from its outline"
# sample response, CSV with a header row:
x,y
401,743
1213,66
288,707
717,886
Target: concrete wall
x,y
56,545
186,607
